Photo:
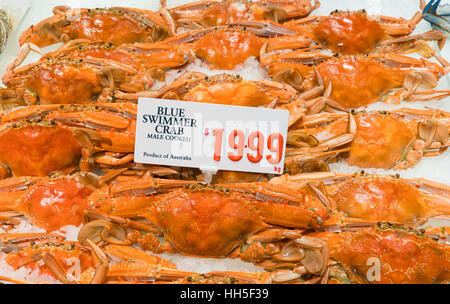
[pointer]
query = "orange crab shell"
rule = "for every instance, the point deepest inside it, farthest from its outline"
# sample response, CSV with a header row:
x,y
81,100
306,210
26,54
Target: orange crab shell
x,y
118,130
141,56
38,149
236,92
212,13
380,140
357,81
394,249
54,143
50,203
53,204
349,33
381,198
59,82
344,32
207,223
226,49
209,220
355,32
216,13
111,25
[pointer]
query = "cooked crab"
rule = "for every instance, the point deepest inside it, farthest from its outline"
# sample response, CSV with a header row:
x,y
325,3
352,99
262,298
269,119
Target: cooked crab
x,y
117,25
213,221
211,12
362,199
355,81
392,140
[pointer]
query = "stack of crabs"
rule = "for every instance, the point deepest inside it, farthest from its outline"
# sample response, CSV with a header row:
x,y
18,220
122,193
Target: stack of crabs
x,y
67,138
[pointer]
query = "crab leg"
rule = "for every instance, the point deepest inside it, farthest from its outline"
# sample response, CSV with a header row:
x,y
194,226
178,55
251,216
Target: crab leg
x,y
398,26
145,272
20,57
250,277
25,238
432,35
19,281
128,253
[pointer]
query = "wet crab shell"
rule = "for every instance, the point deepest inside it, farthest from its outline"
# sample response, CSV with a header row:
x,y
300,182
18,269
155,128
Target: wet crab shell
x,y
116,25
61,138
392,246
384,198
208,220
213,13
396,139
38,149
229,89
49,203
358,81
366,199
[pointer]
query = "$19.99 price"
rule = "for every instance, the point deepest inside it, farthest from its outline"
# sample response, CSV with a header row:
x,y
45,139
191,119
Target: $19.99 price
x,y
255,142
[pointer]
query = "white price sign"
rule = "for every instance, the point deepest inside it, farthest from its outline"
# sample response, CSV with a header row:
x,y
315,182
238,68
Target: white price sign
x,y
202,135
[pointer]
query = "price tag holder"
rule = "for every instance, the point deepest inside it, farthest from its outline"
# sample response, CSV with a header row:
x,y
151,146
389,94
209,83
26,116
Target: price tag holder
x,y
210,136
